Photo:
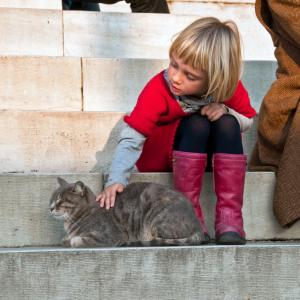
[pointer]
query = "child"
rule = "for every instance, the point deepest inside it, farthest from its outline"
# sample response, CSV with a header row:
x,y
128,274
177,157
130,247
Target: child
x,y
196,107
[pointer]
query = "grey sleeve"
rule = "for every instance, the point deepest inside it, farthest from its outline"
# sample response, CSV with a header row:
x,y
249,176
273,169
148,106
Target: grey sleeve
x,y
245,123
127,153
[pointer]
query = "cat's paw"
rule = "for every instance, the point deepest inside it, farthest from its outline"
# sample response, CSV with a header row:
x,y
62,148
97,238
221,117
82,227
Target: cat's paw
x,y
66,242
77,242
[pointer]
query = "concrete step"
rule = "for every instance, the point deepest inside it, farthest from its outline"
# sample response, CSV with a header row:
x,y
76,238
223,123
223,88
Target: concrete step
x,y
96,34
41,83
64,141
25,218
31,32
239,8
255,271
121,81
40,4
92,34
96,84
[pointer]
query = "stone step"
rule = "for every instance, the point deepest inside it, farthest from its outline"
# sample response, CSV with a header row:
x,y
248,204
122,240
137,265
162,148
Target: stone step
x,y
31,32
96,84
25,218
64,141
237,8
40,4
255,271
121,81
96,34
41,83
92,34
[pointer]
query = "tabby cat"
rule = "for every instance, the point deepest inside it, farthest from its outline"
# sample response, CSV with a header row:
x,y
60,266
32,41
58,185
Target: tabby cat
x,y
145,214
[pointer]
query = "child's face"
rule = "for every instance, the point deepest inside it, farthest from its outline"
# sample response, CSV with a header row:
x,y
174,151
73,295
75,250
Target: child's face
x,y
185,80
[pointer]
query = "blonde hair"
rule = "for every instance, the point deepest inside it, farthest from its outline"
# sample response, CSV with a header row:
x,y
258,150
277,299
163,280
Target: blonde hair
x,y
214,47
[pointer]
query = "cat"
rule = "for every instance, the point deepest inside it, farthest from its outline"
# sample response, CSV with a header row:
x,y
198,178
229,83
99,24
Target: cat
x,y
145,214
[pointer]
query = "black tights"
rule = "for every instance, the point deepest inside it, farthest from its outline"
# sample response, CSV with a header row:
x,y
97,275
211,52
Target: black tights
x,y
197,134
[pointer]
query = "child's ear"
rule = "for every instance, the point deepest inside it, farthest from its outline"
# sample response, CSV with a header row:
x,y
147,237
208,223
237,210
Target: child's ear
x,y
61,181
79,188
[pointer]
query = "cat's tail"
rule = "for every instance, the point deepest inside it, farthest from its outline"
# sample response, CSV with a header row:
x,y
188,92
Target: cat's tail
x,y
196,239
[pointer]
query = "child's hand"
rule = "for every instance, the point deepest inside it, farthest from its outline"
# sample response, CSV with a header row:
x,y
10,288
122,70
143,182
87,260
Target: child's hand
x,y
213,111
108,197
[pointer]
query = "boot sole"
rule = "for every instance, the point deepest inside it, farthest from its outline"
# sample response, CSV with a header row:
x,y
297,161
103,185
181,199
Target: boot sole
x,y
230,238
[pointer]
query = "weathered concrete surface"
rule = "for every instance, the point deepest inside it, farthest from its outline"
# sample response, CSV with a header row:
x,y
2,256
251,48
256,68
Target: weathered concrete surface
x,y
25,219
56,141
55,83
228,8
24,216
92,34
114,84
64,141
101,93
121,6
45,4
261,271
31,32
40,83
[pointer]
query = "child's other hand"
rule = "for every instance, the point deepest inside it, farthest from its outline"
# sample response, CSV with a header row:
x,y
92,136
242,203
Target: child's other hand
x,y
108,197
213,111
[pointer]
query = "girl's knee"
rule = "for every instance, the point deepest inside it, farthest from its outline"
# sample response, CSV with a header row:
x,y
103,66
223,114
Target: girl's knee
x,y
195,120
227,123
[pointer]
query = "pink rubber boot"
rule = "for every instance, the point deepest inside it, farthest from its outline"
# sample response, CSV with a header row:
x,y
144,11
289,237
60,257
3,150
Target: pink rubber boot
x,y
188,171
229,178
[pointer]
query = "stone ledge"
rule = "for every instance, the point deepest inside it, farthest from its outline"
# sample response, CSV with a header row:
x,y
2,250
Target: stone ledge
x,y
82,32
205,272
40,83
36,4
65,141
28,223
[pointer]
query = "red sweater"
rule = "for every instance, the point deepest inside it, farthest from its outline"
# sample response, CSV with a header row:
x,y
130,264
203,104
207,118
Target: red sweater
x,y
157,115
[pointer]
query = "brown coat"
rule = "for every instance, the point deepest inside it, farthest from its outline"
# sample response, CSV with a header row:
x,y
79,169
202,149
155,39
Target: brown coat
x,y
278,144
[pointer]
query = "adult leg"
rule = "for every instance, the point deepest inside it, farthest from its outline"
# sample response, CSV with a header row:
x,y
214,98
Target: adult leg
x,y
80,5
229,169
189,161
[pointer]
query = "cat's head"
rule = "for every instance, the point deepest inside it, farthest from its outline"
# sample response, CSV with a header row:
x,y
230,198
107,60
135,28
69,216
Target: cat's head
x,y
69,198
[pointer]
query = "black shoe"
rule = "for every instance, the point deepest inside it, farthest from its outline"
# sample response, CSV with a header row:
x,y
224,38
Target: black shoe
x,y
230,238
206,239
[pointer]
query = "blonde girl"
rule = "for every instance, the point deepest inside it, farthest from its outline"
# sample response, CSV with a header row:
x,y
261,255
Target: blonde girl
x,y
190,114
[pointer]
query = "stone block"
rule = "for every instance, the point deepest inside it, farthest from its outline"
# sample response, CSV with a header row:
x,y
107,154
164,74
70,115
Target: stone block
x,y
40,83
31,32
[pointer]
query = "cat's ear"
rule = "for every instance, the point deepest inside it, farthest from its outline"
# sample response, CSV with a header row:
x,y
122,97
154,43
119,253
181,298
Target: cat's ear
x,y
61,181
79,188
